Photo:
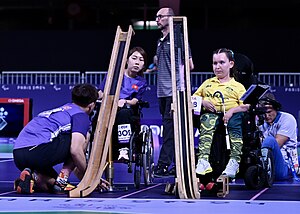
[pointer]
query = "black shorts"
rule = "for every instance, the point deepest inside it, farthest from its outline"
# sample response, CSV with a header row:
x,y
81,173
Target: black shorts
x,y
43,157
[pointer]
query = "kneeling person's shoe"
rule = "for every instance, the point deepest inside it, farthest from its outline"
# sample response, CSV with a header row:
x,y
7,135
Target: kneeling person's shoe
x,y
61,184
231,168
161,170
203,167
24,184
59,188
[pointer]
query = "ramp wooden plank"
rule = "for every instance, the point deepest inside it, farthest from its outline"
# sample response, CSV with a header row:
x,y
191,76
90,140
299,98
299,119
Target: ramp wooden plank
x,y
107,114
186,180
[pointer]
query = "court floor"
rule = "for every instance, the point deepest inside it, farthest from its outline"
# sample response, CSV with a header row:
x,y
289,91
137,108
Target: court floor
x,y
125,198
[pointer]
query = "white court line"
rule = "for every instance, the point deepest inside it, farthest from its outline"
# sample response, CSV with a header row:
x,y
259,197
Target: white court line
x,y
5,193
142,190
157,206
6,155
258,194
2,161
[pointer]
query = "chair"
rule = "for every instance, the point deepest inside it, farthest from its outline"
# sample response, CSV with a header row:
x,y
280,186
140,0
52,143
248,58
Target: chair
x,y
140,145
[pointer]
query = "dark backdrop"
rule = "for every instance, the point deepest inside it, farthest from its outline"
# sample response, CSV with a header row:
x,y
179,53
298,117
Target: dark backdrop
x,y
274,50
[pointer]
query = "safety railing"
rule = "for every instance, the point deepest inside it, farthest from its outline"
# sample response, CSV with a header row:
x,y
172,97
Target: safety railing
x,y
280,79
41,77
96,77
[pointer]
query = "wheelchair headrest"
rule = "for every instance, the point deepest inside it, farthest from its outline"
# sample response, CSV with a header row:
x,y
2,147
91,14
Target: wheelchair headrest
x,y
244,65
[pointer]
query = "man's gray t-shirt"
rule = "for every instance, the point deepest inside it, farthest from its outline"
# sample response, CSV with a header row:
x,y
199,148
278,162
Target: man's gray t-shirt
x,y
164,78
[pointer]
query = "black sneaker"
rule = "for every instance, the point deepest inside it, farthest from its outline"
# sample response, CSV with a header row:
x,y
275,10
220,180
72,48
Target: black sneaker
x,y
59,188
24,184
161,171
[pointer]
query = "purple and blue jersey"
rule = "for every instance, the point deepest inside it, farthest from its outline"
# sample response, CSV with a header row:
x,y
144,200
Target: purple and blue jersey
x,y
49,124
131,87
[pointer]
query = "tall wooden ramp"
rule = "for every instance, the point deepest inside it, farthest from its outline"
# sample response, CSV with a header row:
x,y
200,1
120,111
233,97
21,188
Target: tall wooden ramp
x,y
107,115
186,180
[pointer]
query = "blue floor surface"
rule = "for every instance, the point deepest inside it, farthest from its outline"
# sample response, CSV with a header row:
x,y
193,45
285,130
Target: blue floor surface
x,y
282,197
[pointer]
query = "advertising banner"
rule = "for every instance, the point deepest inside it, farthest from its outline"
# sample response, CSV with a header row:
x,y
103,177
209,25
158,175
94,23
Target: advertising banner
x,y
45,97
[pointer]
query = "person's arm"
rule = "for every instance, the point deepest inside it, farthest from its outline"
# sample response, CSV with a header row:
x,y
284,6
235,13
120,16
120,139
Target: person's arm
x,y
123,102
208,106
240,108
138,95
100,93
152,67
281,139
191,64
101,87
287,130
78,147
132,102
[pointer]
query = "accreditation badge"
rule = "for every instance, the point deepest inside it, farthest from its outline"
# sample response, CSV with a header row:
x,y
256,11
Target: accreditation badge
x,y
124,133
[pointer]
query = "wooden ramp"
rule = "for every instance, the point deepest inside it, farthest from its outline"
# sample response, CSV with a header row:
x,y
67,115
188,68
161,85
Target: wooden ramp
x,y
186,180
102,136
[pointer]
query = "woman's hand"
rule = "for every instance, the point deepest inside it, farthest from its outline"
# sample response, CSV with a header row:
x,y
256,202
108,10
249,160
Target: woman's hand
x,y
121,103
209,106
227,116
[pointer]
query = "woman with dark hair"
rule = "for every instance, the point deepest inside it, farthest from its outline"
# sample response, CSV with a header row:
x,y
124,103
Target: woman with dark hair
x,y
133,87
134,84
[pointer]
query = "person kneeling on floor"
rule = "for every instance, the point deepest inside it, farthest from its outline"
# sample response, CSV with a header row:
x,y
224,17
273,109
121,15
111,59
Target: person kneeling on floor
x,y
53,137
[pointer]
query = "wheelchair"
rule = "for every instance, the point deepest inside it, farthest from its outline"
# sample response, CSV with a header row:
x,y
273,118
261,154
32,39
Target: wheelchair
x,y
256,171
140,145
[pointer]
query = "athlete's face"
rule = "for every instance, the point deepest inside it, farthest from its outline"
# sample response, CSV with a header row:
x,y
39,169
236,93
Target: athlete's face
x,y
135,62
162,18
222,65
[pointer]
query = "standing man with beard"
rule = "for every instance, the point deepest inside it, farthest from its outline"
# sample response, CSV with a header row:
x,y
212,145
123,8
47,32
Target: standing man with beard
x,y
164,92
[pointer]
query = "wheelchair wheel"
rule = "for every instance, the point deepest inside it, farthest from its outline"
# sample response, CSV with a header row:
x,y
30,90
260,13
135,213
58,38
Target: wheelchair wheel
x,y
137,171
131,151
254,177
148,159
269,169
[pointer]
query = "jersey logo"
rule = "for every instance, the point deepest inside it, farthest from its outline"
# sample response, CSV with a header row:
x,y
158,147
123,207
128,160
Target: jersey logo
x,y
135,87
